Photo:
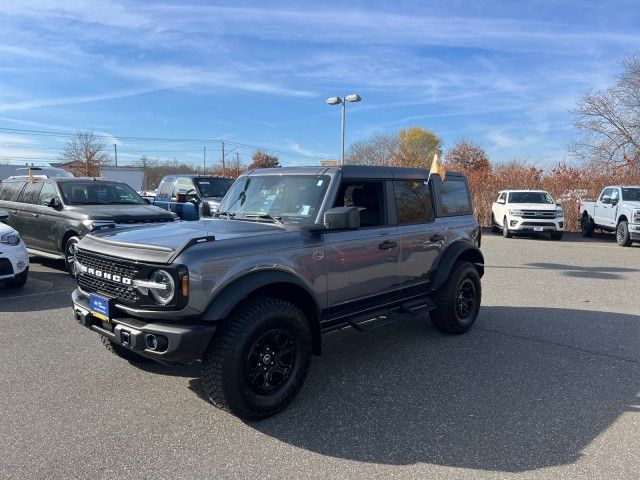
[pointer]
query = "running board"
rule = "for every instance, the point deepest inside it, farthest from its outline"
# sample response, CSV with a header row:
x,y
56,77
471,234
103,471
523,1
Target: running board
x,y
369,322
39,253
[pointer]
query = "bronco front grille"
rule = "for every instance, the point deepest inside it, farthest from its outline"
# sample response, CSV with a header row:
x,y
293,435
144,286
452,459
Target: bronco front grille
x,y
107,265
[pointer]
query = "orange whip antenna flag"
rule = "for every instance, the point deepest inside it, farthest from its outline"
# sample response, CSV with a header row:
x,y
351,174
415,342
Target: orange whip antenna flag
x,y
437,167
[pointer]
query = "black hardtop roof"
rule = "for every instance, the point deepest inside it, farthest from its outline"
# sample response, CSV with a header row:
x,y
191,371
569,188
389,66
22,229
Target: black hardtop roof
x,y
357,171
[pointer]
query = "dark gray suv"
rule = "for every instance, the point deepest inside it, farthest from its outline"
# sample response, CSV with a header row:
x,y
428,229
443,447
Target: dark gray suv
x,y
52,214
293,253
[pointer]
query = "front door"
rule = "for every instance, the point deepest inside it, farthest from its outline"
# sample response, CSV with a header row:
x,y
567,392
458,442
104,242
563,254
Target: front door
x,y
363,265
602,210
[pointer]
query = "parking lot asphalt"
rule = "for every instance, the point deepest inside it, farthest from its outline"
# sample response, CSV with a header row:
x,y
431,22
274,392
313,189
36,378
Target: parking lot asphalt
x,y
544,386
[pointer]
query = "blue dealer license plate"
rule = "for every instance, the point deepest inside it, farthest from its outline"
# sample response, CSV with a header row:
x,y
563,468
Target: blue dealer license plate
x,y
99,307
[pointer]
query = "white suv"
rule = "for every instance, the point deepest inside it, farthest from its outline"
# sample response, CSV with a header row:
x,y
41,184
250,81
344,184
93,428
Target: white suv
x,y
517,211
14,260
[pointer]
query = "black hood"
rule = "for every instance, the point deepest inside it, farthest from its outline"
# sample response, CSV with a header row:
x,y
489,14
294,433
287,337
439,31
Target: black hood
x,y
124,213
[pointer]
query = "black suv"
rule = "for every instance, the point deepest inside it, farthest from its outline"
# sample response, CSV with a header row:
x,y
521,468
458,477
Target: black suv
x,y
52,214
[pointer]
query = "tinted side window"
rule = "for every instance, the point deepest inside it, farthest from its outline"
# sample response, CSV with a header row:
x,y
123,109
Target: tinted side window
x,y
9,190
47,194
31,193
454,197
606,193
369,196
413,201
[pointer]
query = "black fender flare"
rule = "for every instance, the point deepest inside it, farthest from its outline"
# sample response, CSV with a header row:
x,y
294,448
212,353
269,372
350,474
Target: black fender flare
x,y
276,283
458,250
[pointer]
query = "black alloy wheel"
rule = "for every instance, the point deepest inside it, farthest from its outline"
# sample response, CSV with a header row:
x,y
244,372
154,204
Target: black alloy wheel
x,y
271,361
465,299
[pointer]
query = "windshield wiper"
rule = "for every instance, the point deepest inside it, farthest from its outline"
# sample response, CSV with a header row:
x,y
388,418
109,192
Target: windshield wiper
x,y
266,216
228,214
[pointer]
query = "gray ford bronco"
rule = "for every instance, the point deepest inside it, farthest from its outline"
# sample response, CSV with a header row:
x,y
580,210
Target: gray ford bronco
x,y
292,253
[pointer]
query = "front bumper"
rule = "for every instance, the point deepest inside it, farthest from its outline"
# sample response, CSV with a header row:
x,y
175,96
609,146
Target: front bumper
x,y
634,231
17,257
164,342
518,224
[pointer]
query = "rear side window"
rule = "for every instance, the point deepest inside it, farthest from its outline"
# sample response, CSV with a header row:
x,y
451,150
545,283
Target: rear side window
x,y
413,201
9,191
31,193
454,198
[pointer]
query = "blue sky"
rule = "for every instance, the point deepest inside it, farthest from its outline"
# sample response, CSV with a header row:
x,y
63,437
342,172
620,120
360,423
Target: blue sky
x,y
258,73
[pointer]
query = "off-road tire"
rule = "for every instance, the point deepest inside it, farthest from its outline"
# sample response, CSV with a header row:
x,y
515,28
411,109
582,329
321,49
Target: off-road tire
x,y
586,226
122,352
555,235
446,317
18,281
69,248
623,237
226,365
506,233
494,225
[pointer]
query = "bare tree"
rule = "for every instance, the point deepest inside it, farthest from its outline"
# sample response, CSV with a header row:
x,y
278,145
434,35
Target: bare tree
x,y
84,154
608,121
378,150
467,156
262,159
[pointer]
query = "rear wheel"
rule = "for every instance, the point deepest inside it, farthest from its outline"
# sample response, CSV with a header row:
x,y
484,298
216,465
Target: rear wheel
x,y
458,300
623,237
70,255
506,233
586,226
258,359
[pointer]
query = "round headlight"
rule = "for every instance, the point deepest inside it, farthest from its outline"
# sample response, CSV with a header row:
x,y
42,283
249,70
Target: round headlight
x,y
162,295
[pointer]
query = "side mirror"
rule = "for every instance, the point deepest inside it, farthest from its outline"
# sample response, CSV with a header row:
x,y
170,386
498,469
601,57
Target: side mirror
x,y
501,201
3,215
146,200
614,201
342,218
54,203
606,200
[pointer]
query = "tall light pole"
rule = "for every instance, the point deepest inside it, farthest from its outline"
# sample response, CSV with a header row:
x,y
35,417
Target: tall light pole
x,y
354,97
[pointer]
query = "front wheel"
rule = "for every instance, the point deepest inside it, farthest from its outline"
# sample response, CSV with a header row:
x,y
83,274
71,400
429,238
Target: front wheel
x,y
623,237
458,300
506,233
258,359
70,255
494,225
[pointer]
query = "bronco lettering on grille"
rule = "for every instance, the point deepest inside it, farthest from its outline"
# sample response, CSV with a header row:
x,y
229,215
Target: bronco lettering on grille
x,y
104,275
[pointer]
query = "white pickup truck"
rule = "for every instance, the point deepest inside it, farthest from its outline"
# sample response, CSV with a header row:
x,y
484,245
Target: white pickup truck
x,y
617,209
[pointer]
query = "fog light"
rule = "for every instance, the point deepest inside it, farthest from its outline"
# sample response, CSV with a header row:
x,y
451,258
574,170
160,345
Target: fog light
x,y
513,223
20,265
561,224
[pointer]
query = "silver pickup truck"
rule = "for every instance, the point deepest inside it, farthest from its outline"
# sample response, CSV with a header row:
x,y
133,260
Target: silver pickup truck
x,y
616,210
291,253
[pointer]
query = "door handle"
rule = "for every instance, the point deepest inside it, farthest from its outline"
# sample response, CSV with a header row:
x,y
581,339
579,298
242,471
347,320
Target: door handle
x,y
35,214
436,238
387,245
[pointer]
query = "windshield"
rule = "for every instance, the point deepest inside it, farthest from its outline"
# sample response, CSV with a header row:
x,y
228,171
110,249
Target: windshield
x,y
213,187
530,197
631,194
290,198
99,193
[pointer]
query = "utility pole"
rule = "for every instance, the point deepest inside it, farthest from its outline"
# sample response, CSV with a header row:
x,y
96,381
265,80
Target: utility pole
x,y
115,149
223,166
204,161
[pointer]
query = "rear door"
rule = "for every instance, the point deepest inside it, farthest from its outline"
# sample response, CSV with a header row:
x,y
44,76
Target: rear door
x,y
27,214
9,193
421,237
363,266
47,234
